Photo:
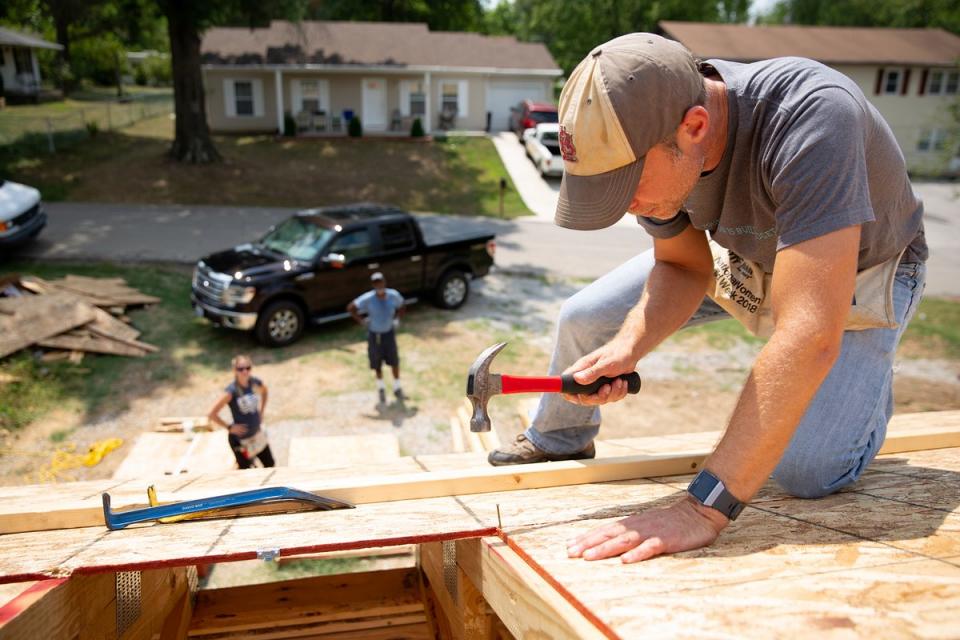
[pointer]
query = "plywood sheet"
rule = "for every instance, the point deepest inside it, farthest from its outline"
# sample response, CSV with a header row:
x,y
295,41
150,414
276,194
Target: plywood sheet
x,y
29,319
159,454
309,452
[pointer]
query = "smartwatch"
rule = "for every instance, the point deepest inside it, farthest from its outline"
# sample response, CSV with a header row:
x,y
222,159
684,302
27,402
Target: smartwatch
x,y
709,491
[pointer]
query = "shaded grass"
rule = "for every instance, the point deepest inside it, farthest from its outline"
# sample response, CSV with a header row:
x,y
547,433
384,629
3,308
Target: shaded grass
x,y
459,175
935,329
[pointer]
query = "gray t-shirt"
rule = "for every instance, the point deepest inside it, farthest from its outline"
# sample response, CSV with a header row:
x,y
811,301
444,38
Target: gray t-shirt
x,y
806,155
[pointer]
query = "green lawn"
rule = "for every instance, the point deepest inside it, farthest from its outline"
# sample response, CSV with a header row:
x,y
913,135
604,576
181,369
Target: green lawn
x,y
24,128
191,348
459,175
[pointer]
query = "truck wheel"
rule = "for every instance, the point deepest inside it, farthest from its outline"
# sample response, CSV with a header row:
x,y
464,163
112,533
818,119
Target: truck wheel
x,y
280,323
452,290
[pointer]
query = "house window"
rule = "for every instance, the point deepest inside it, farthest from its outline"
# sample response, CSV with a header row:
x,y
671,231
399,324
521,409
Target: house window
x,y
932,140
891,81
418,99
942,82
243,97
21,58
953,82
448,96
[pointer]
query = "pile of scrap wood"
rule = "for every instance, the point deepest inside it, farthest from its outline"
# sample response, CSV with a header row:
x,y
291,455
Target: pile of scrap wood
x,y
70,316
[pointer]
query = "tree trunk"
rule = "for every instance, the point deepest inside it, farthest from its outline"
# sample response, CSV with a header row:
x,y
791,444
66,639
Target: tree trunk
x,y
192,142
61,22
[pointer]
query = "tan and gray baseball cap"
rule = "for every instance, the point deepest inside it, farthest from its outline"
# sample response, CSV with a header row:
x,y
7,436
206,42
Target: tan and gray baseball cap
x,y
622,99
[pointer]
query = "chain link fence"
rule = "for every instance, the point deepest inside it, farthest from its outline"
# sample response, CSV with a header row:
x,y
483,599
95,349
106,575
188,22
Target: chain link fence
x,y
78,123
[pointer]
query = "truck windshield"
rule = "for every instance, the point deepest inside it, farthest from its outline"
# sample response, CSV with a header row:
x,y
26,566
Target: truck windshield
x,y
297,238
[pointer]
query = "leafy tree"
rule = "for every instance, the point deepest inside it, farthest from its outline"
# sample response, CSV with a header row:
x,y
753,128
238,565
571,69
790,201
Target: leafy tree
x,y
186,20
868,13
570,28
440,15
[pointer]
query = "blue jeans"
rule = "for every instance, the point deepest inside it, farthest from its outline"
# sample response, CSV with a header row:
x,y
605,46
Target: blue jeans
x,y
850,410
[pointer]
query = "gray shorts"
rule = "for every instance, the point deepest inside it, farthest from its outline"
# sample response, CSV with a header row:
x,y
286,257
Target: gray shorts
x,y
382,349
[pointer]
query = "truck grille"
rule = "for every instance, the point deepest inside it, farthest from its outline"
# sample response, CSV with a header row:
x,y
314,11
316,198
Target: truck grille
x,y
26,216
209,284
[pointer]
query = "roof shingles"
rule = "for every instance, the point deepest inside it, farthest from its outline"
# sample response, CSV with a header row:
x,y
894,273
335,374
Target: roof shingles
x,y
368,43
832,45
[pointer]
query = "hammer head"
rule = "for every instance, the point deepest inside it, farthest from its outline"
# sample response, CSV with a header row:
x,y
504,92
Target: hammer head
x,y
481,384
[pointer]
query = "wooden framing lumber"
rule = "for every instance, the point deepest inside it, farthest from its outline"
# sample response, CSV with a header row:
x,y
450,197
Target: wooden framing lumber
x,y
526,603
21,516
309,452
347,603
85,607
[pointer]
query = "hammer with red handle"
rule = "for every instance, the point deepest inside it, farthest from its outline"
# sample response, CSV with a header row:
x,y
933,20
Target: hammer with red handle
x,y
481,384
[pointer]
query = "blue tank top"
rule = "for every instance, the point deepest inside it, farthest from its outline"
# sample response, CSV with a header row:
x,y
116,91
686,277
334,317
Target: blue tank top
x,y
245,405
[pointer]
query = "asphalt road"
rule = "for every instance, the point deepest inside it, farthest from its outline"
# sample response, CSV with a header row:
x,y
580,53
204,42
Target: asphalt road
x,y
167,233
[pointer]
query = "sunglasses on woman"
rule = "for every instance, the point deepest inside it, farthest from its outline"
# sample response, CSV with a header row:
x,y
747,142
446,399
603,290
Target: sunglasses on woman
x,y
243,368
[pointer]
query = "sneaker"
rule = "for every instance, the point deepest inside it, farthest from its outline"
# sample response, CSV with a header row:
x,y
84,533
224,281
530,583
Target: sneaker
x,y
383,396
522,451
399,394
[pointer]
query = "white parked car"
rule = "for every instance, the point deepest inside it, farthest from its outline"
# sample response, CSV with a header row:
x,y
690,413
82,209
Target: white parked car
x,y
21,214
543,148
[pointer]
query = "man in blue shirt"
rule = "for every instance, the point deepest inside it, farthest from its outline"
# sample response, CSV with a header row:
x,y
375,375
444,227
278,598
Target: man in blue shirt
x,y
383,308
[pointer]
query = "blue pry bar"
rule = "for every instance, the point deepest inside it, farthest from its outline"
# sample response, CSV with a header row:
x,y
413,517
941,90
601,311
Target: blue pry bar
x,y
120,519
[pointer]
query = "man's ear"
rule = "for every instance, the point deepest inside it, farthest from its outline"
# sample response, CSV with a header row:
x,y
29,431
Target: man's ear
x,y
694,126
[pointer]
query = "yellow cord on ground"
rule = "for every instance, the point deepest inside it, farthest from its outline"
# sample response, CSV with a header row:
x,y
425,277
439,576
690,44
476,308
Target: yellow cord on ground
x,y
65,458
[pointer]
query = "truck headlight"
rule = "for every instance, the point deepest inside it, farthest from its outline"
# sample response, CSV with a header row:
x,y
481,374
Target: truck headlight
x,y
235,295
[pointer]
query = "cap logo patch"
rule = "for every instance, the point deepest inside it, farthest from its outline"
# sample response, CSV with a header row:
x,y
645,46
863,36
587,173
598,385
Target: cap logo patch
x,y
567,150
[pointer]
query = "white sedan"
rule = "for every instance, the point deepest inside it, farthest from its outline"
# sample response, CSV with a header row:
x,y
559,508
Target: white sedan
x,y
21,213
543,148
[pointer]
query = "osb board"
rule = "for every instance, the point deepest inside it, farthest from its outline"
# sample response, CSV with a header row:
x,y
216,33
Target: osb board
x,y
28,319
308,452
856,563
158,454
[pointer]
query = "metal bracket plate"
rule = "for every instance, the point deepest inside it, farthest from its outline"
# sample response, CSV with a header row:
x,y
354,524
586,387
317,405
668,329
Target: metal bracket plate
x,y
128,600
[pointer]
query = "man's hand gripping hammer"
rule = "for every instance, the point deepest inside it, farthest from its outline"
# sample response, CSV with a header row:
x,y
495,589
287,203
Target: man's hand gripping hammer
x,y
481,384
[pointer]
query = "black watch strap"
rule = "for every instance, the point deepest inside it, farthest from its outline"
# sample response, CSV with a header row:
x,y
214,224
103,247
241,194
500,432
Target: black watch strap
x,y
709,491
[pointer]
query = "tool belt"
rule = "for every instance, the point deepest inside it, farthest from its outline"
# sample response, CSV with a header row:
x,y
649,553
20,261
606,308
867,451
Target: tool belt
x,y
252,447
742,289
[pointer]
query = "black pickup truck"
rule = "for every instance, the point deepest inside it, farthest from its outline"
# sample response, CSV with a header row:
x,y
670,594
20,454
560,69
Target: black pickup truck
x,y
310,266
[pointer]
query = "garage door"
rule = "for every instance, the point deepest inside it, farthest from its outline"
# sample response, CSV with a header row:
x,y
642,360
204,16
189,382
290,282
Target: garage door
x,y
503,94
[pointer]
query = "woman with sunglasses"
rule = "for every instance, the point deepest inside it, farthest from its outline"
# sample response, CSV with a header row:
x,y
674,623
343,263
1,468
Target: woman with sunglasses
x,y
247,398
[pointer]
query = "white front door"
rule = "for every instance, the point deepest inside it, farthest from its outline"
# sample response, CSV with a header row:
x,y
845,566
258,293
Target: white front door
x,y
374,103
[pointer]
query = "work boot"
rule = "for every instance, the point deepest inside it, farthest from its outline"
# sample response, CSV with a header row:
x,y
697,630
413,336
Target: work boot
x,y
522,451
383,396
398,392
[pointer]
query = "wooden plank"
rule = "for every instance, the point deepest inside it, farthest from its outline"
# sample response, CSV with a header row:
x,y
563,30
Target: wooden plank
x,y
157,454
36,318
407,550
113,291
525,602
132,343
432,566
114,327
471,438
347,599
19,516
81,340
67,610
369,448
456,434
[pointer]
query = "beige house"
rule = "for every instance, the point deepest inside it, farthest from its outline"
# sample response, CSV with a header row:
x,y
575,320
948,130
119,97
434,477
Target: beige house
x,y
19,70
322,73
912,76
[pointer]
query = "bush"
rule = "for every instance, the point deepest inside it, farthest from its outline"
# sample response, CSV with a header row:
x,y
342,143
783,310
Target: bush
x,y
93,128
416,131
289,125
99,59
158,71
355,128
